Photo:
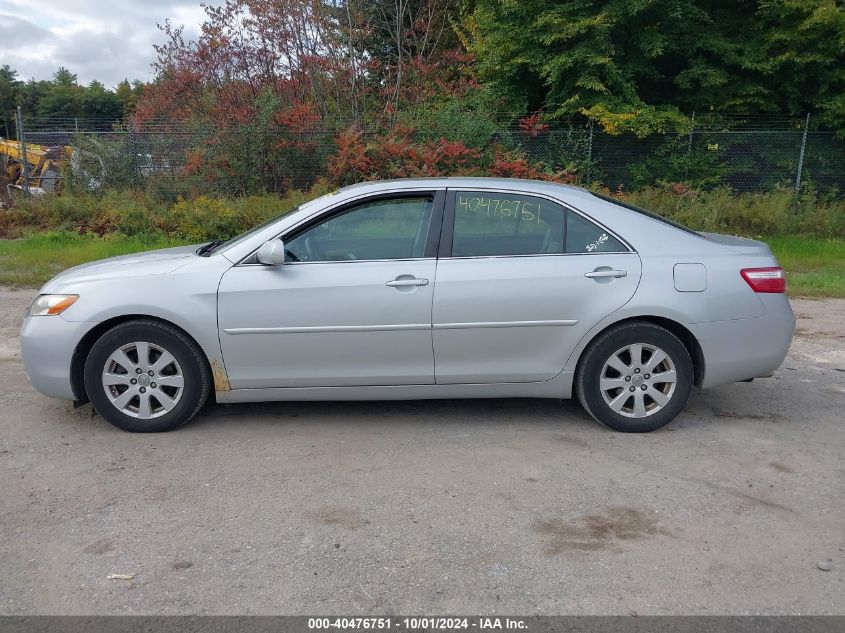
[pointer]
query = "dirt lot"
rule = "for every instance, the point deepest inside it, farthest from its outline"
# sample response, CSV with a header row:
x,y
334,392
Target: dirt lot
x,y
432,507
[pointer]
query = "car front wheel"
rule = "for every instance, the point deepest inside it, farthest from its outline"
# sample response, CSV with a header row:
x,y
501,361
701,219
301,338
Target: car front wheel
x,y
146,376
635,378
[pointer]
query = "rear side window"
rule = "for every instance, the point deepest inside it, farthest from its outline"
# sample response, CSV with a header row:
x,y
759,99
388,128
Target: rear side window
x,y
489,224
582,236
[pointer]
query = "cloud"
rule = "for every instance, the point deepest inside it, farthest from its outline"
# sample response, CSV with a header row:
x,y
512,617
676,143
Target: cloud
x,y
15,31
106,41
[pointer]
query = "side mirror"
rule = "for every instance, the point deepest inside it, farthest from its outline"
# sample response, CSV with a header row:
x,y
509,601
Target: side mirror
x,y
271,253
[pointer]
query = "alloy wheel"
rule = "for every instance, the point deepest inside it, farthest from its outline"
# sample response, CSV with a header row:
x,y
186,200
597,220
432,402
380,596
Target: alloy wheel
x,y
143,380
638,380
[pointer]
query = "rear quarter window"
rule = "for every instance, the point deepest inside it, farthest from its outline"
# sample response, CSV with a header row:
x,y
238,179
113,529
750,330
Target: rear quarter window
x,y
583,236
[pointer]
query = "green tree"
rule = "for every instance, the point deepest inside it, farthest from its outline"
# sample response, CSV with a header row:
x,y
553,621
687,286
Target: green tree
x,y
800,52
10,92
62,98
128,95
98,103
30,96
636,65
63,77
601,58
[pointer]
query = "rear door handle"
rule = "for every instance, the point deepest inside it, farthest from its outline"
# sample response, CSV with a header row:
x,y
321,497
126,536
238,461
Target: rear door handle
x,y
616,274
407,282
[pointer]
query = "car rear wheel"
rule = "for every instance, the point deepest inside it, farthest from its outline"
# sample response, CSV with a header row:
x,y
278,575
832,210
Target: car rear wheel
x,y
146,376
635,378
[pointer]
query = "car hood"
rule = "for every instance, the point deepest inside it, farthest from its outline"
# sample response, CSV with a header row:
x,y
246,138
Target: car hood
x,y
156,262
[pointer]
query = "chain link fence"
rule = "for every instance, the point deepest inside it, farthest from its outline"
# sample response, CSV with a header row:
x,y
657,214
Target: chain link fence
x,y
167,159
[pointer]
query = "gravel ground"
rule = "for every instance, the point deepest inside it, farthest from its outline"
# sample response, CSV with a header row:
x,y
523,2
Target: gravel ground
x,y
520,506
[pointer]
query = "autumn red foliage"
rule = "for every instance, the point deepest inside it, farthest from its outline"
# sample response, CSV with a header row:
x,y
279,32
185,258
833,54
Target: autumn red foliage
x,y
512,165
397,154
533,125
293,89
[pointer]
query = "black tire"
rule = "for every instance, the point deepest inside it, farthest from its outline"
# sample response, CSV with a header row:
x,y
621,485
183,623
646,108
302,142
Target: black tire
x,y
194,370
588,376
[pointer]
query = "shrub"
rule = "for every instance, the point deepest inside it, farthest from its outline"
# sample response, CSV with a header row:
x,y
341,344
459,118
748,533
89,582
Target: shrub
x,y
399,154
13,220
134,213
126,212
511,164
204,218
59,212
778,212
470,118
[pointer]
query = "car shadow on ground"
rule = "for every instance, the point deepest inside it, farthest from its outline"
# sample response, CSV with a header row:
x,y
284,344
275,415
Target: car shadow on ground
x,y
499,411
704,408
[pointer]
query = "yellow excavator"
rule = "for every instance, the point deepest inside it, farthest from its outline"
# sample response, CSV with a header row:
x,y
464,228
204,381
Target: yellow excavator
x,y
43,164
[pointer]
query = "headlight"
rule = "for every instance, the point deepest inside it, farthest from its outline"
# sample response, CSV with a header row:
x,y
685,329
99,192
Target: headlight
x,y
49,305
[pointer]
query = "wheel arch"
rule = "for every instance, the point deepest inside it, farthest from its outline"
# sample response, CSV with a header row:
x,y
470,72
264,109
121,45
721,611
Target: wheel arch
x,y
83,348
678,329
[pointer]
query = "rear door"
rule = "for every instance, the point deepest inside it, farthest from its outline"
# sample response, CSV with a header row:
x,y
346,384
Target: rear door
x,y
520,280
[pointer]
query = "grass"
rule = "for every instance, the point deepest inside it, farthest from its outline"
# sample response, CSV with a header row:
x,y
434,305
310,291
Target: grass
x,y
815,267
32,260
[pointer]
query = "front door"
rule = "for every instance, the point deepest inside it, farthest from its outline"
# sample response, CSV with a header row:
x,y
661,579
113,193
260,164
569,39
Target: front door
x,y
520,281
351,307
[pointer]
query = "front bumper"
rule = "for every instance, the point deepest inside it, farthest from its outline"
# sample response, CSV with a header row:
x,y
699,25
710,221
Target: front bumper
x,y
47,346
740,349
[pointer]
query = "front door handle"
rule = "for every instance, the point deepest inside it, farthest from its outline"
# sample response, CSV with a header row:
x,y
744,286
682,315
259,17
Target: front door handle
x,y
598,274
413,281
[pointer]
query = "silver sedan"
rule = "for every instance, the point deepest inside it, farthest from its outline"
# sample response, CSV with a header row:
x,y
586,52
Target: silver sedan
x,y
428,288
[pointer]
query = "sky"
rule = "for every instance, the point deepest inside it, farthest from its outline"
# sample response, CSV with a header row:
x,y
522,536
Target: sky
x,y
106,40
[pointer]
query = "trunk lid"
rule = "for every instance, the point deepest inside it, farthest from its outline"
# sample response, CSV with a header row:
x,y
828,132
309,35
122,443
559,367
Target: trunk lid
x,y
739,244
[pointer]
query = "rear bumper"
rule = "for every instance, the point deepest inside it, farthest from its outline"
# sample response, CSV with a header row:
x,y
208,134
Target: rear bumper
x,y
47,346
740,349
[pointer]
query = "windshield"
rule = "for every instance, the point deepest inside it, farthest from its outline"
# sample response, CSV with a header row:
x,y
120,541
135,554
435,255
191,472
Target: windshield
x,y
234,240
642,211
246,235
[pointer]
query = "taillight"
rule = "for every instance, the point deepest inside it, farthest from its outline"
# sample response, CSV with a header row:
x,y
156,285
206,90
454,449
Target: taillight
x,y
765,279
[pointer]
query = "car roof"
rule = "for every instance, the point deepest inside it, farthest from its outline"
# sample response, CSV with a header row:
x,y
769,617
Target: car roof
x,y
555,188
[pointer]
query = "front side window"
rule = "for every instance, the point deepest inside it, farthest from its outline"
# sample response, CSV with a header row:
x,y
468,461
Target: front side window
x,y
382,229
506,224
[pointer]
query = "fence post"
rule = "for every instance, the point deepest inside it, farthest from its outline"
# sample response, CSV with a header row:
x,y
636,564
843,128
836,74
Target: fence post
x,y
691,129
689,145
801,154
135,169
589,154
22,141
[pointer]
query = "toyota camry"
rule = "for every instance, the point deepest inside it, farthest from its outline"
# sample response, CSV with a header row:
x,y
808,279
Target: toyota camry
x,y
413,289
